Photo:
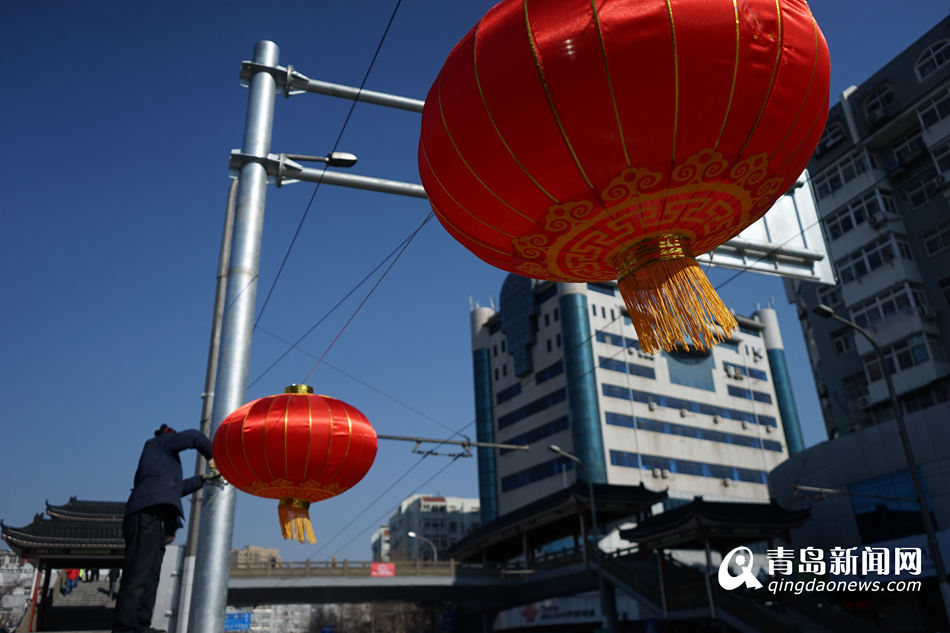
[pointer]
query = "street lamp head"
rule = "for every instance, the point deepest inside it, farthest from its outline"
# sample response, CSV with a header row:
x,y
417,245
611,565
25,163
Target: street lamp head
x,y
413,534
341,159
823,311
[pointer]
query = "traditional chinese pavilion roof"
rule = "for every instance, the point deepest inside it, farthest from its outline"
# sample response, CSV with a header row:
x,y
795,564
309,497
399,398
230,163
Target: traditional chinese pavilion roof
x,y
554,517
724,524
79,533
87,510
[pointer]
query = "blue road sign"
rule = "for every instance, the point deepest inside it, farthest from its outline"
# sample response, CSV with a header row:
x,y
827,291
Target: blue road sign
x,y
237,621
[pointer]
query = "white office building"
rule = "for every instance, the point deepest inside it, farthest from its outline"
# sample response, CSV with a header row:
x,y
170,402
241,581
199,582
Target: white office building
x,y
436,521
559,363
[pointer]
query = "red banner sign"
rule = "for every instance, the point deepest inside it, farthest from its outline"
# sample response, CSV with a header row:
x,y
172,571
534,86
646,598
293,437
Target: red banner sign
x,y
382,570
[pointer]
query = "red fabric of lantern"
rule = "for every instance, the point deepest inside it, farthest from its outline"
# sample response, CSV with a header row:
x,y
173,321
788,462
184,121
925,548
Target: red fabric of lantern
x,y
586,140
297,447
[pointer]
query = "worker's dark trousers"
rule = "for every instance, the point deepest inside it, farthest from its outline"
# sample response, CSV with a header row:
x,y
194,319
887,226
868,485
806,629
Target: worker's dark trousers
x,y
144,548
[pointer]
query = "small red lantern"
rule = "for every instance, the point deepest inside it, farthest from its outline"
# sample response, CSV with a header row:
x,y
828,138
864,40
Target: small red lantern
x,y
297,447
587,140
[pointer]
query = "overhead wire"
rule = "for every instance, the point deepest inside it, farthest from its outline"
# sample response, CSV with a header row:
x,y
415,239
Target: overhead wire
x,y
428,217
390,509
336,144
294,345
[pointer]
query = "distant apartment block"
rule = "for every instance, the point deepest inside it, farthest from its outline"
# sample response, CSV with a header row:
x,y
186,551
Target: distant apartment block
x,y
439,520
881,176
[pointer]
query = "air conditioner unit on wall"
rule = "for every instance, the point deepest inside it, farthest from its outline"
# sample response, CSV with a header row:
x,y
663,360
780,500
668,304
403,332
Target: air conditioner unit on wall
x,y
864,402
876,220
926,313
657,473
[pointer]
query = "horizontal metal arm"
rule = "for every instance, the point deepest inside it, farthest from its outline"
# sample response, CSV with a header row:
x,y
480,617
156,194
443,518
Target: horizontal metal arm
x,y
465,443
293,82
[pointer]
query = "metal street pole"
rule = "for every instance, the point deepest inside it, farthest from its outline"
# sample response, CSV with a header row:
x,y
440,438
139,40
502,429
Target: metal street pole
x,y
209,594
207,403
608,619
941,572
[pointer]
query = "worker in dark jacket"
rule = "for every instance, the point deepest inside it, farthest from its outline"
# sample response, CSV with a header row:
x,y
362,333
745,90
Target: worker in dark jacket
x,y
152,515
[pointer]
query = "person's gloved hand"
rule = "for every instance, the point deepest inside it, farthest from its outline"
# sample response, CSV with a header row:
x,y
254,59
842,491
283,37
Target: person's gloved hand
x,y
213,475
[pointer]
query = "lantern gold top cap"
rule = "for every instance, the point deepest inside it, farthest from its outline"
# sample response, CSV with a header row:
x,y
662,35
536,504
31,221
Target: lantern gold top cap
x,y
306,389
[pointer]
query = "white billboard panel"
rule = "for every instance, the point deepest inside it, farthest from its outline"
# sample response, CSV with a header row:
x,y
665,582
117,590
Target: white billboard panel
x,y
787,241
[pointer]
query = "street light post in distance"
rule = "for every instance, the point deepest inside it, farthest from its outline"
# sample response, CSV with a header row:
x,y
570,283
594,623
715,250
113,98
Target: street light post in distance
x,y
827,312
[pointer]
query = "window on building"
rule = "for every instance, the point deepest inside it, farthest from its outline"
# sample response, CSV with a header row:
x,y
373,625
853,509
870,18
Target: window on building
x,y
830,296
932,59
614,364
670,428
509,393
834,132
843,172
924,189
871,256
937,238
549,372
531,408
888,303
535,473
691,368
905,354
879,103
942,156
944,286
870,206
557,340
547,320
843,340
886,507
934,109
603,288
550,345
909,146
537,433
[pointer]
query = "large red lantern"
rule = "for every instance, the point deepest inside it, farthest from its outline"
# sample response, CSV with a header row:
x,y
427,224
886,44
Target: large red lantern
x,y
587,140
297,447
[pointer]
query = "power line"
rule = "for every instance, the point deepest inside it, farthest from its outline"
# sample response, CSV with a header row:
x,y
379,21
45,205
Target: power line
x,y
336,143
370,293
390,509
294,345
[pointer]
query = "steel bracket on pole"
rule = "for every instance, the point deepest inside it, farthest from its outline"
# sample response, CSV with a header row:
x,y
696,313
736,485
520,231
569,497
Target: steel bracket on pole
x,y
282,170
275,164
285,77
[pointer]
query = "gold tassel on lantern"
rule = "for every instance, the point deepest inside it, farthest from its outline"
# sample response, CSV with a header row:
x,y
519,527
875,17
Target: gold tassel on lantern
x,y
669,298
295,520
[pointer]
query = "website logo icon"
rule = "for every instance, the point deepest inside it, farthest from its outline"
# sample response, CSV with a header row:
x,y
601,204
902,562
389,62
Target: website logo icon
x,y
743,558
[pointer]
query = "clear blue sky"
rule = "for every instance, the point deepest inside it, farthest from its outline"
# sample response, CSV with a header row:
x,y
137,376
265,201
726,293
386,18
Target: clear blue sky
x,y
116,120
